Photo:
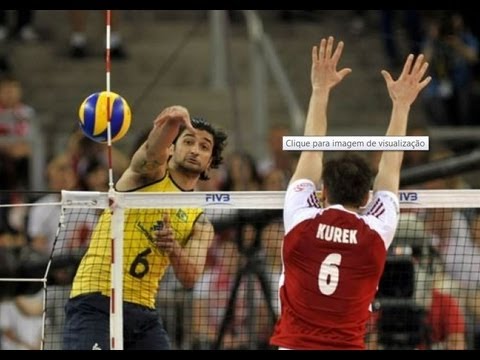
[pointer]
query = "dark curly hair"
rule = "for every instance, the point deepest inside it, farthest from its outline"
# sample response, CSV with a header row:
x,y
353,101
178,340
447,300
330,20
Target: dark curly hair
x,y
219,141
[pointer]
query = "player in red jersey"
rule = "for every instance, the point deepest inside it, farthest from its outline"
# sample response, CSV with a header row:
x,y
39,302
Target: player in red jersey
x,y
333,255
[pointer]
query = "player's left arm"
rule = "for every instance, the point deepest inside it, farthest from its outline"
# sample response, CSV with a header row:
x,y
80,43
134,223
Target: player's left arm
x,y
324,77
188,262
403,93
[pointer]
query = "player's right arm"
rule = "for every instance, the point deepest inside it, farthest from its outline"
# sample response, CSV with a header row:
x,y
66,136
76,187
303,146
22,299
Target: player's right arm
x,y
188,262
150,160
403,93
324,77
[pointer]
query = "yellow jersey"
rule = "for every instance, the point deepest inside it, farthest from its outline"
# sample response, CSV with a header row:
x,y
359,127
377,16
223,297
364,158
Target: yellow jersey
x,y
143,263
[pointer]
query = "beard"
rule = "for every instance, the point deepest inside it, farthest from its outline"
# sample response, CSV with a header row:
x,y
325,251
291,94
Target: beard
x,y
189,169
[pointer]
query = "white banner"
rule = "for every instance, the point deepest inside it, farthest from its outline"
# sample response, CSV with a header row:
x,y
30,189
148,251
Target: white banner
x,y
356,143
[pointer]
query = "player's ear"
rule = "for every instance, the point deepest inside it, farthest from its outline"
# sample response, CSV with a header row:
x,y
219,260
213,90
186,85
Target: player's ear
x,y
323,195
365,199
171,150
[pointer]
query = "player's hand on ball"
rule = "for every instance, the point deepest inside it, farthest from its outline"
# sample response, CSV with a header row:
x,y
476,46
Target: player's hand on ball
x,y
164,238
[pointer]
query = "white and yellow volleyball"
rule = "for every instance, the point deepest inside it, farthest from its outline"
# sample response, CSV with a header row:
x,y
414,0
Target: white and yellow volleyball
x,y
93,118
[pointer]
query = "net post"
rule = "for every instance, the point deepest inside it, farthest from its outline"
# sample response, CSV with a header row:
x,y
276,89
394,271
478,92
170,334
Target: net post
x,y
116,295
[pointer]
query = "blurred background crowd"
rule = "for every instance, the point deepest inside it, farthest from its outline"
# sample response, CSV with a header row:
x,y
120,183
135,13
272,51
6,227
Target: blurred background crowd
x,y
51,60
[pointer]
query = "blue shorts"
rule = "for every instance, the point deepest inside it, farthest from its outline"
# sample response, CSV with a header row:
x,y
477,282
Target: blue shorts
x,y
87,325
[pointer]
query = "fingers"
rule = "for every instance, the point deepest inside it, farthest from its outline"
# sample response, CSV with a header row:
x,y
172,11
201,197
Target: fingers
x,y
314,54
162,117
338,51
407,66
344,72
178,108
188,124
166,246
321,52
418,64
175,111
178,114
164,238
159,121
328,52
387,77
325,49
414,66
417,69
423,70
408,85
165,230
425,82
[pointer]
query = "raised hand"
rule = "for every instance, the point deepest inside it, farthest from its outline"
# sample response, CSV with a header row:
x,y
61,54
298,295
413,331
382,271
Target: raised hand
x,y
177,114
324,73
409,84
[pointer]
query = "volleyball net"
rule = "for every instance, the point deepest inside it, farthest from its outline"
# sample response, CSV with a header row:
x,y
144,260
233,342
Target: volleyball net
x,y
427,296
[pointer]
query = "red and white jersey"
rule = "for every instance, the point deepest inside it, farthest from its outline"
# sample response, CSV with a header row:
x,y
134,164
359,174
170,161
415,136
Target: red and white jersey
x,y
332,263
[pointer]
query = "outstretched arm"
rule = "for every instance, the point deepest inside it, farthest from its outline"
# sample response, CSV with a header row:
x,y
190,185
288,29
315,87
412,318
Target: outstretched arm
x,y
403,93
324,77
150,160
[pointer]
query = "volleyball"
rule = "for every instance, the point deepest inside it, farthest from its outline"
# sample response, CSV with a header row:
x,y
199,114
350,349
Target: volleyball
x,y
93,116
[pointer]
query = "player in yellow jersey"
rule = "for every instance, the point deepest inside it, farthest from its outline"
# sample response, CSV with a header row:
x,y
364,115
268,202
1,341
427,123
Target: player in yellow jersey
x,y
178,152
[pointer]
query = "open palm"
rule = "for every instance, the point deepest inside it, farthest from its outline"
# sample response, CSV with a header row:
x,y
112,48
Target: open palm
x,y
409,84
324,73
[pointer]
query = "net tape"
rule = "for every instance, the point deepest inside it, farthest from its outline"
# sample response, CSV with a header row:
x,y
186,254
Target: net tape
x,y
409,199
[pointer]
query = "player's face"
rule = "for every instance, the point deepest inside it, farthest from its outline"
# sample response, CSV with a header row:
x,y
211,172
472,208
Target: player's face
x,y
193,151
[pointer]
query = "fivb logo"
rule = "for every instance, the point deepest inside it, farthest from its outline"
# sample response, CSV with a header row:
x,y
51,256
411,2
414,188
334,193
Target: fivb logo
x,y
217,198
408,197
